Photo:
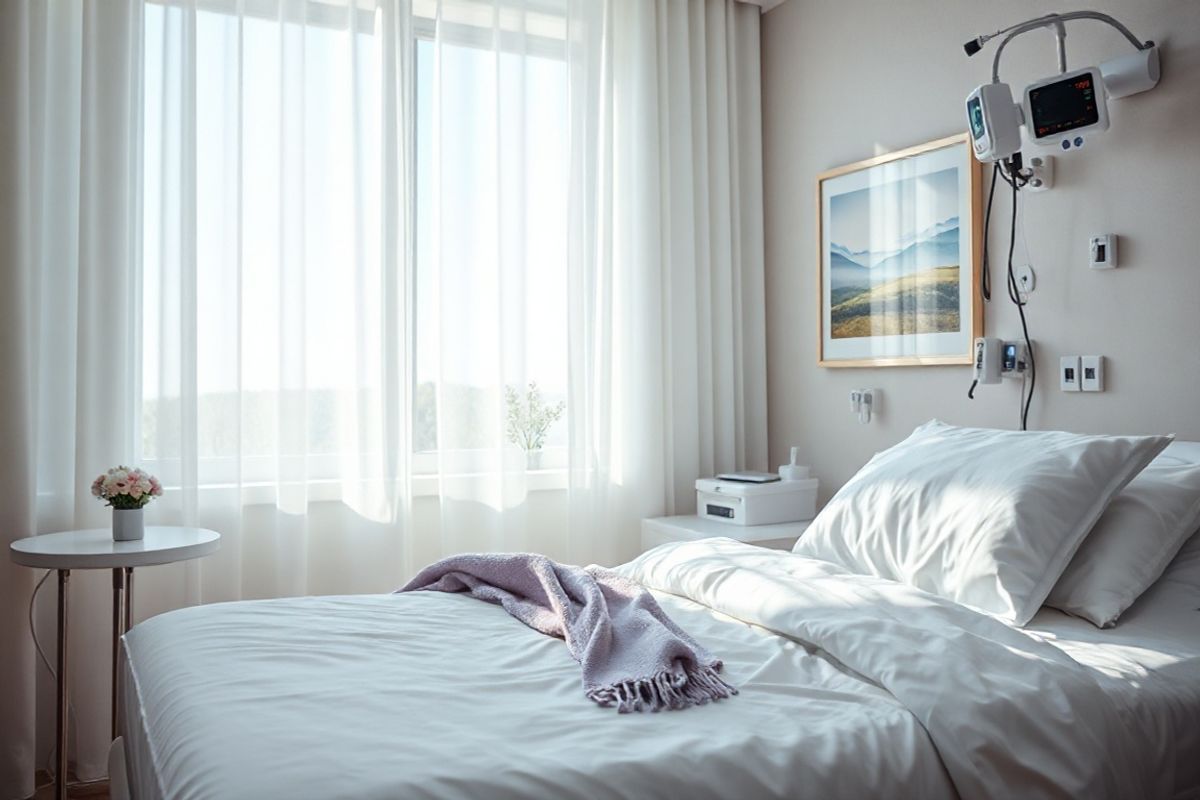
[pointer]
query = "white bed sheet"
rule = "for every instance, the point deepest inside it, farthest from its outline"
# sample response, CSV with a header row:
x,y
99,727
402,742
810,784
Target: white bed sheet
x,y
1149,665
433,695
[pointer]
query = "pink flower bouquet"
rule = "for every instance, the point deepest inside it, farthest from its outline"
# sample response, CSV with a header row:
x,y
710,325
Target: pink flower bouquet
x,y
126,487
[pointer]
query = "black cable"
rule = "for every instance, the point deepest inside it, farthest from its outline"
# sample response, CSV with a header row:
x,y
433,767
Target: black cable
x,y
1032,368
985,283
1014,294
1010,174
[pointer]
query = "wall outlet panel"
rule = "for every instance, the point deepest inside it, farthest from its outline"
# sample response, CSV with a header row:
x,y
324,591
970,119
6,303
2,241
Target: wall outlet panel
x,y
1091,373
1102,251
1068,374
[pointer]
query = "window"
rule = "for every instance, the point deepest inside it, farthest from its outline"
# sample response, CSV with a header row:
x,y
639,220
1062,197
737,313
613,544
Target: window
x,y
491,220
265,188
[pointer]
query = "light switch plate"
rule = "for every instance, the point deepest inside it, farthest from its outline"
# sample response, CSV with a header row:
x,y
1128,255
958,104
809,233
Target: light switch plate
x,y
1068,373
1092,373
1102,251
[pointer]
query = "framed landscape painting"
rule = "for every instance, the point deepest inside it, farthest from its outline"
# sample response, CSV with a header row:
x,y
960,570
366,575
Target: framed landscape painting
x,y
899,251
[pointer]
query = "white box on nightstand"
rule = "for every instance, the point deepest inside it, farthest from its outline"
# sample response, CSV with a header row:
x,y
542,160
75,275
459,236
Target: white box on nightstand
x,y
660,530
757,504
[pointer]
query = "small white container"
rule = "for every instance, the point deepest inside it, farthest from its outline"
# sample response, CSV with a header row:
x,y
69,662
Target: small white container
x,y
129,524
737,503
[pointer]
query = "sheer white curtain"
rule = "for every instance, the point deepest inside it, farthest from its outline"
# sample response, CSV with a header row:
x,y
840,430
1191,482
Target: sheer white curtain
x,y
311,262
667,333
272,292
491,188
68,251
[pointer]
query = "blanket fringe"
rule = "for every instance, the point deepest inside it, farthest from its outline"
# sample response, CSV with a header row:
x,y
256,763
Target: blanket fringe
x,y
694,686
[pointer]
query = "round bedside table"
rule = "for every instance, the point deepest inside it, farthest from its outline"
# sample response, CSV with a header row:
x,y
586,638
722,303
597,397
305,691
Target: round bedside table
x,y
95,549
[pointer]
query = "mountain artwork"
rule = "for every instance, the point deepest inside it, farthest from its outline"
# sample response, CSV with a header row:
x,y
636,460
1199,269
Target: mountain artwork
x,y
895,273
898,257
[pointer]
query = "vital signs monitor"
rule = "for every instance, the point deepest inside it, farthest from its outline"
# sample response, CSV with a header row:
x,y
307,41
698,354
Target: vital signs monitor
x,y
1060,111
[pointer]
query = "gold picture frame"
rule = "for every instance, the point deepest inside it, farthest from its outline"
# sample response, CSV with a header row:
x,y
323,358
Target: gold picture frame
x,y
894,291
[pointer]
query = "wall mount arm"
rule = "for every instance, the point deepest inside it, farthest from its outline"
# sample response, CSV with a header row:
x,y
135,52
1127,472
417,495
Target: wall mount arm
x,y
1056,21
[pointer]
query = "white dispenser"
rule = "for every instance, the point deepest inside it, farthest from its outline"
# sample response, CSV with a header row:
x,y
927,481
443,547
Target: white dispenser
x,y
794,470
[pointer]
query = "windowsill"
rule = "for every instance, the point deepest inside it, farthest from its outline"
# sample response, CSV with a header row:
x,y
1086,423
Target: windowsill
x,y
540,480
330,491
456,472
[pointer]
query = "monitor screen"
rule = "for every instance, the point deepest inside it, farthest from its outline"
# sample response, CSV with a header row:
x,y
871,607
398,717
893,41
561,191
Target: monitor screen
x,y
975,115
1063,106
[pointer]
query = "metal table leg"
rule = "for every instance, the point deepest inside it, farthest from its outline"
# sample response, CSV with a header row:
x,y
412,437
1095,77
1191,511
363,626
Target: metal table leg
x,y
118,622
60,772
128,598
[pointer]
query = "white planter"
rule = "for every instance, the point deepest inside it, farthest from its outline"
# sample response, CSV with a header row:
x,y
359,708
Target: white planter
x,y
533,459
129,525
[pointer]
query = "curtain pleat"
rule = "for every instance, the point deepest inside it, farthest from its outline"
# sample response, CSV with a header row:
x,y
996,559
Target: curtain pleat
x,y
18,352
70,341
666,260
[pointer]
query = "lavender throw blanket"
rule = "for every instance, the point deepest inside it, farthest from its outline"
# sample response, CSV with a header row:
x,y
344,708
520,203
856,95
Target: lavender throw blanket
x,y
633,656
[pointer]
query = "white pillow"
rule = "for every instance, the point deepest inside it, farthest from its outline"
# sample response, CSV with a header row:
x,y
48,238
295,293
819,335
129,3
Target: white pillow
x,y
1186,564
1138,535
987,518
1190,549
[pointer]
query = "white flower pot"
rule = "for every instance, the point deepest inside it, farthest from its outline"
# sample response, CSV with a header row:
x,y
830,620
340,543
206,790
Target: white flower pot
x,y
129,525
533,459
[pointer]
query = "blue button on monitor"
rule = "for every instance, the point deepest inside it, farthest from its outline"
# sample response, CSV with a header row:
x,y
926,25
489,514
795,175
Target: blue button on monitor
x,y
1079,141
1066,144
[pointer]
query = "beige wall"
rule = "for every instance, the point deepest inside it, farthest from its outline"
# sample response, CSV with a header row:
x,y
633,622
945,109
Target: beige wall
x,y
846,80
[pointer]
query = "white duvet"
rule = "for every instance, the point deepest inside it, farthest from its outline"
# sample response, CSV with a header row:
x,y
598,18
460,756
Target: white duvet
x,y
850,687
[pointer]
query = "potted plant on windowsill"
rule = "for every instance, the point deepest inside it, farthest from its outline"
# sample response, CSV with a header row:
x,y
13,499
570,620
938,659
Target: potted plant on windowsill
x,y
127,490
529,418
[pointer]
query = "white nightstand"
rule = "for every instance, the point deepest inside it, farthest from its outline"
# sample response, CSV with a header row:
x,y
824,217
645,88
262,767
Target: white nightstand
x,y
661,530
